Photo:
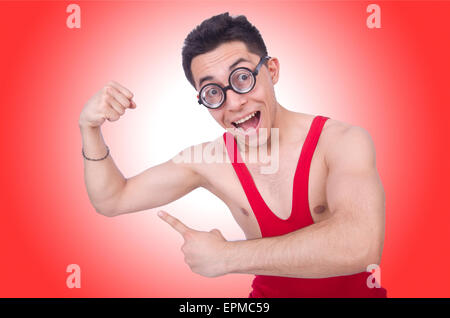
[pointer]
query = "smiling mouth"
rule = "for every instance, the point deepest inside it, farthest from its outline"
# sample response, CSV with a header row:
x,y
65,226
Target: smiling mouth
x,y
251,121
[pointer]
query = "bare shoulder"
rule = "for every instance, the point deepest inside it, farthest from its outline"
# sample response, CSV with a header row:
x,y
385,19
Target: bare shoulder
x,y
200,158
347,145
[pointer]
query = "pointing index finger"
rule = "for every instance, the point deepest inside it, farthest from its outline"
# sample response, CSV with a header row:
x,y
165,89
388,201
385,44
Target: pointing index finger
x,y
174,222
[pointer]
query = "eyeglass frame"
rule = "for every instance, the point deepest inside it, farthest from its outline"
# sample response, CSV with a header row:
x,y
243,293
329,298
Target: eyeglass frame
x,y
226,88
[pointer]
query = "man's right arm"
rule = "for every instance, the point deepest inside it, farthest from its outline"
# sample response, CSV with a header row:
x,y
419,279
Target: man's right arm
x,y
109,191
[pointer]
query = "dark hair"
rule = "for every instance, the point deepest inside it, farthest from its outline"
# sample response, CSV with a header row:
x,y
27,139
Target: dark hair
x,y
217,30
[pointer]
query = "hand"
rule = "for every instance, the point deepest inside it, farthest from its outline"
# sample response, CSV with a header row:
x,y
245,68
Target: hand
x,y
203,251
108,103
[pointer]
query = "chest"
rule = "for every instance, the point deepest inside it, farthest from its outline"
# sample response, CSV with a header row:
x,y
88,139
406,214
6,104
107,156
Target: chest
x,y
276,189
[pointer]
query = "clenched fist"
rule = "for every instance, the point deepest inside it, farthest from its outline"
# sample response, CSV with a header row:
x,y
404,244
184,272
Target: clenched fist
x,y
108,103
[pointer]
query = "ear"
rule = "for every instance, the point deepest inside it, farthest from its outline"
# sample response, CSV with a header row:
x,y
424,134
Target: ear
x,y
274,69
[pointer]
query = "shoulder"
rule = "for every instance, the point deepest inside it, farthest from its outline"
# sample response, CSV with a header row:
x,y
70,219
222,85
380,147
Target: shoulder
x,y
348,146
201,158
195,154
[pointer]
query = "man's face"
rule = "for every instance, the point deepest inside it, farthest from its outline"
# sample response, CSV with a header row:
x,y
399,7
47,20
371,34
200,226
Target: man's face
x,y
260,100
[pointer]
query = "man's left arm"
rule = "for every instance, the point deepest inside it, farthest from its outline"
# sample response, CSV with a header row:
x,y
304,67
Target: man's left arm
x,y
345,243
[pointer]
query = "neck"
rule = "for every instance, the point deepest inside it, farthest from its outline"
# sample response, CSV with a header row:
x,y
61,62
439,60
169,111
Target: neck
x,y
282,121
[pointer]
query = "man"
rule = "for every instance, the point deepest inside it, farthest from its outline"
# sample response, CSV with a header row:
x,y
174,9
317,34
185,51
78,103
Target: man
x,y
313,226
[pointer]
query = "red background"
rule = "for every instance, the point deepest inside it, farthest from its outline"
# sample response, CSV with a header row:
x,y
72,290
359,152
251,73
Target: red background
x,y
392,81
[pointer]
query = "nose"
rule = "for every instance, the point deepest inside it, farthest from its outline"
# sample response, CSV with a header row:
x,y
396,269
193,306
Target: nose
x,y
235,101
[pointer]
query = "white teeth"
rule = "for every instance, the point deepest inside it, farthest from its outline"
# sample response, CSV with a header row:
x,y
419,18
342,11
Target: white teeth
x,y
240,121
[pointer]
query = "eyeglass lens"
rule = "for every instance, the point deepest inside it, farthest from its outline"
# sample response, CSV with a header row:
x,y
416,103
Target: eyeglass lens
x,y
241,80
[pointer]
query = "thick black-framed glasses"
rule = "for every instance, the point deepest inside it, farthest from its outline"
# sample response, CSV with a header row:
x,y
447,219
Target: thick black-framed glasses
x,y
241,80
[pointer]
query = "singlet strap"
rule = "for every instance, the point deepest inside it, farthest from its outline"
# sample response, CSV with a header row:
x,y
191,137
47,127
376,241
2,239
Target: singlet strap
x,y
300,216
253,196
300,199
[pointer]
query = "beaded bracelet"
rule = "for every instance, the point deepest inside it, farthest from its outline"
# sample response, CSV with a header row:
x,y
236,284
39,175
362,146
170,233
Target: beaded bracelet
x,y
107,153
